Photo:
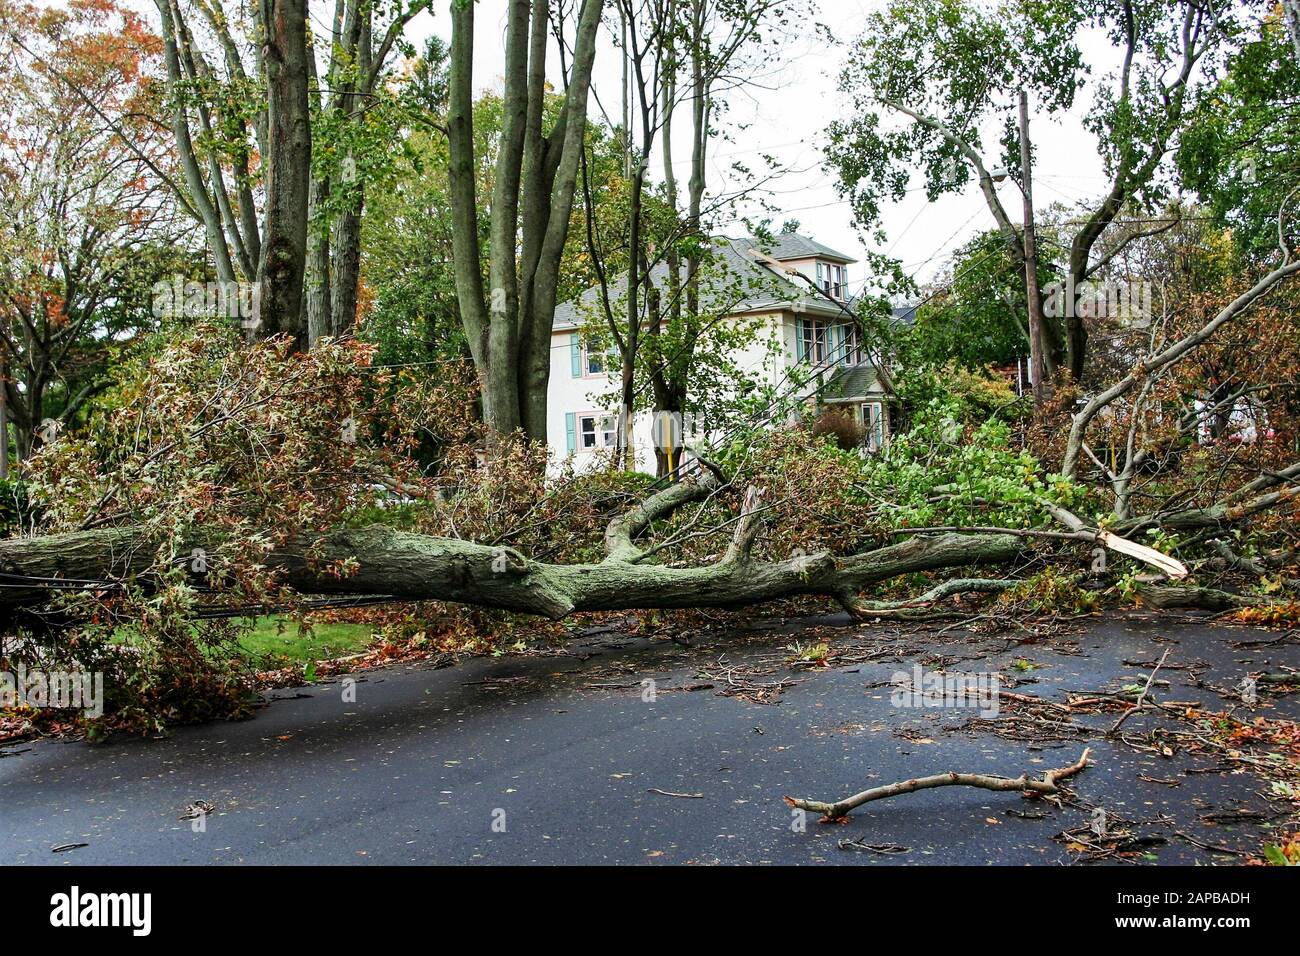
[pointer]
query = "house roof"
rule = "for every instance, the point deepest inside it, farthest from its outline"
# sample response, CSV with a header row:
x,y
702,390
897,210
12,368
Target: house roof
x,y
735,281
905,314
791,245
853,382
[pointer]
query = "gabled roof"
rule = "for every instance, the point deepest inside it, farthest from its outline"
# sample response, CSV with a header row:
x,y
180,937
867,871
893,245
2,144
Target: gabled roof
x,y
734,282
791,245
854,382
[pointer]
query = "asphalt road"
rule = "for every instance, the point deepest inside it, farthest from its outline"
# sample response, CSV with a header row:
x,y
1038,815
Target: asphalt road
x,y
556,758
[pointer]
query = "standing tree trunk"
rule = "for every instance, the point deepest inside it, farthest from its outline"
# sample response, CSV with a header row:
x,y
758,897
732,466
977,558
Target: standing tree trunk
x,y
670,378
1292,11
317,280
345,267
4,400
288,171
509,330
1033,295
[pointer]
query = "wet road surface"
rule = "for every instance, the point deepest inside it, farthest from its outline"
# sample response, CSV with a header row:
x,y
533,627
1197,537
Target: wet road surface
x,y
560,758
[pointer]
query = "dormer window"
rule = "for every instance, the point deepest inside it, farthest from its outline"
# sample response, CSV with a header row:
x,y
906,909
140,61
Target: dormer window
x,y
832,278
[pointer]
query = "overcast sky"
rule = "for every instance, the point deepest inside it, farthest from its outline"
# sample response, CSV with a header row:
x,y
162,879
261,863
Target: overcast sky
x,y
788,116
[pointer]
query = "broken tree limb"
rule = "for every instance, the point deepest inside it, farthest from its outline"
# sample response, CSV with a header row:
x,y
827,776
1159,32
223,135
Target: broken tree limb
x,y
747,528
1169,597
421,567
918,607
1164,358
1171,567
1047,786
1235,508
1235,562
621,532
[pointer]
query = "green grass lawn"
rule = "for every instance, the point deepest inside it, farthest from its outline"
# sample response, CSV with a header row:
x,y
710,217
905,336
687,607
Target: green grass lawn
x,y
325,641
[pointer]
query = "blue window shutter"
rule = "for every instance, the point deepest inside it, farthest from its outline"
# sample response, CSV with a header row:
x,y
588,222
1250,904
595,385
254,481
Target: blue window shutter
x,y
571,431
798,341
575,355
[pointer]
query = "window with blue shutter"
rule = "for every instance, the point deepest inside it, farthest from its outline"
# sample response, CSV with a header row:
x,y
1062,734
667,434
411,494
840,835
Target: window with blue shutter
x,y
571,431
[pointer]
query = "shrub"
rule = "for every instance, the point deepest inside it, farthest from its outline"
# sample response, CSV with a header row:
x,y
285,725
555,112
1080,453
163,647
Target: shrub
x,y
840,427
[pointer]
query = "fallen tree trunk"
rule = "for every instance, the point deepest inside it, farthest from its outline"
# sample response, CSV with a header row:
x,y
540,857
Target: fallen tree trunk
x,y
383,562
422,567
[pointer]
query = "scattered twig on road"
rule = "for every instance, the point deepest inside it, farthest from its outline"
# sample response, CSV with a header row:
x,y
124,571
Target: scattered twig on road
x,y
1170,782
882,848
670,793
1141,697
1213,848
1047,786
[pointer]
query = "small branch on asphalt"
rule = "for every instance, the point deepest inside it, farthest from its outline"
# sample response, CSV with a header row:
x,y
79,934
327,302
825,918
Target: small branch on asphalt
x,y
1048,786
1141,700
883,849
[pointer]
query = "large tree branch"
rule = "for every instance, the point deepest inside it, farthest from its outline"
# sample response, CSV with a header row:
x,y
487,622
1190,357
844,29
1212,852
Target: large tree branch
x,y
1005,226
622,530
420,567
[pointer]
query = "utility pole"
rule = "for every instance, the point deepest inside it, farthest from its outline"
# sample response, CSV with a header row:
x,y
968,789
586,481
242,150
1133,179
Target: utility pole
x,y
1036,364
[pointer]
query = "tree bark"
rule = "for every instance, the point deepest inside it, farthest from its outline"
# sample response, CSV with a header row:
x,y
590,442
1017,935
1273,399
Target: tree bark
x,y
509,333
1033,295
420,567
288,171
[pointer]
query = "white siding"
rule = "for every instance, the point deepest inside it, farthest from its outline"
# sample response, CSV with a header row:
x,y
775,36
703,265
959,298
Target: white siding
x,y
568,394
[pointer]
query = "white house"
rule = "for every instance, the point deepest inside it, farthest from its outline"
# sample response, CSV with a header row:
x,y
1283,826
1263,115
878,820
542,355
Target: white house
x,y
796,291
